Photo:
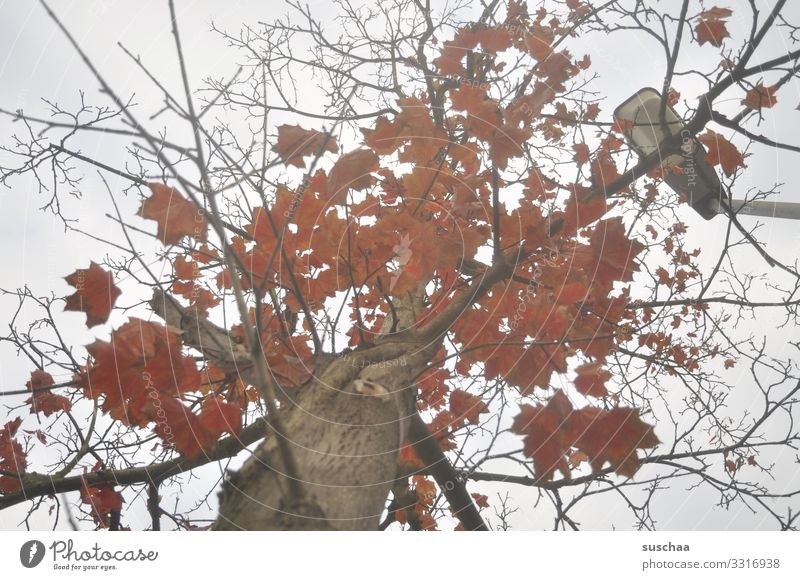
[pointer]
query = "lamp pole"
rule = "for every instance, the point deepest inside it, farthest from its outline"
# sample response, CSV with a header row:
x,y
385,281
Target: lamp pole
x,y
762,208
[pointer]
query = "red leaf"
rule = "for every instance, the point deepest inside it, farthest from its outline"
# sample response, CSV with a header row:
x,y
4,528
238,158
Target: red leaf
x,y
591,379
95,294
176,216
612,436
180,428
480,500
12,457
581,153
408,457
761,97
465,406
615,254
48,403
102,501
218,416
721,152
184,269
351,171
141,363
711,26
294,143
42,400
546,439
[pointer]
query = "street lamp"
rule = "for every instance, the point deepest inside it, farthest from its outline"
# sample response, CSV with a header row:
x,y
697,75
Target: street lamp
x,y
647,127
645,130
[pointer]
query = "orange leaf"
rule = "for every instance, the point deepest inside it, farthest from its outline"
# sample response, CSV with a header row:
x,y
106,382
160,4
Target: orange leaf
x,y
95,294
591,379
294,143
140,367
465,406
102,501
12,457
44,401
176,216
184,269
581,153
614,253
351,171
711,26
721,152
612,436
545,438
493,40
218,416
761,97
481,500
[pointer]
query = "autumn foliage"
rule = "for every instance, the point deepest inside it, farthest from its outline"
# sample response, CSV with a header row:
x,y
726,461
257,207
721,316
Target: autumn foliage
x,y
433,196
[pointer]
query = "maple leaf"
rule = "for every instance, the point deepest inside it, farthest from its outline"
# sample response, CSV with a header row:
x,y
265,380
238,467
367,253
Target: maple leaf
x,y
494,39
581,153
219,416
141,362
505,143
584,207
711,26
44,401
425,489
481,500
294,143
12,457
408,457
95,293
465,406
351,171
184,269
538,42
546,438
476,102
102,500
591,379
611,436
175,215
180,428
604,170
614,254
385,137
721,152
761,97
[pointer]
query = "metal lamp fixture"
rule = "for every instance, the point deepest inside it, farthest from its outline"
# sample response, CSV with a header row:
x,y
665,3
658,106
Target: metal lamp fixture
x,y
645,132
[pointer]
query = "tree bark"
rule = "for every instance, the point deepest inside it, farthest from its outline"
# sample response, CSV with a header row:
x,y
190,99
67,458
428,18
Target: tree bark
x,y
345,431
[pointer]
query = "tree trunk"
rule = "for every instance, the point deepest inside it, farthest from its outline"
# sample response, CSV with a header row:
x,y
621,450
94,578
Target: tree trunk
x,y
344,430
345,441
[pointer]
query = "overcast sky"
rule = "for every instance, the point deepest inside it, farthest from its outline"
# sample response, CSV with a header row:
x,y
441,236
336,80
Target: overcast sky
x,y
36,62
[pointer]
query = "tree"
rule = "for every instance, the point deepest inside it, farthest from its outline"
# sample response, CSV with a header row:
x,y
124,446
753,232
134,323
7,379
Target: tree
x,y
456,272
